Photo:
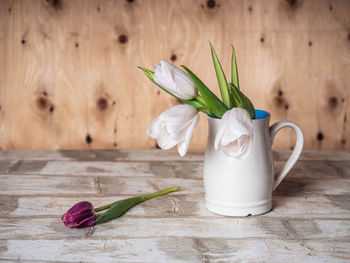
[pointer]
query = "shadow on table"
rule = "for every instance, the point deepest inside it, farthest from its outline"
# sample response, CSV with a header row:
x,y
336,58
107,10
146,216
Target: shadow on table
x,y
293,188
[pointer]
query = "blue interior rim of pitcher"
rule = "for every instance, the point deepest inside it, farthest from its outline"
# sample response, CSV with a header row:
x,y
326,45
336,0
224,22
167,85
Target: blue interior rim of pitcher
x,y
259,114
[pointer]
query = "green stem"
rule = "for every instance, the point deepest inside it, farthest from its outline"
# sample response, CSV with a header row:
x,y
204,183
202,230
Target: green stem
x,y
141,197
199,98
160,193
118,208
101,208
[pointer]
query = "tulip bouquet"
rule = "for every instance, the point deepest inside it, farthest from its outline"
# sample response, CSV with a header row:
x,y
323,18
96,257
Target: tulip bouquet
x,y
175,125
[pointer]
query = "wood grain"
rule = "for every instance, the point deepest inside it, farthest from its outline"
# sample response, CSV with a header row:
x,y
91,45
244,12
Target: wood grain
x,y
172,249
223,227
176,205
68,185
68,76
151,155
175,169
309,222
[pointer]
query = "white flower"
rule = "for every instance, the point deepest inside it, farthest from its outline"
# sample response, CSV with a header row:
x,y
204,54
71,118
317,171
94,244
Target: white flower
x,y
175,80
174,126
235,133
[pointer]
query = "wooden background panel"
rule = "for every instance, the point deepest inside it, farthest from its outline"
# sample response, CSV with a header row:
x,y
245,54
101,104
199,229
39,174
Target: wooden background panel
x,y
69,77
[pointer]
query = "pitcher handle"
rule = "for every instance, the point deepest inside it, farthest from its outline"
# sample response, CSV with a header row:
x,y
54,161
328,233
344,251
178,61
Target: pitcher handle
x,y
296,152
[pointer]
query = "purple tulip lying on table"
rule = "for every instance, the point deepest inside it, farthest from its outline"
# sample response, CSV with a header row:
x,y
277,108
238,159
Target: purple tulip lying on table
x,y
83,213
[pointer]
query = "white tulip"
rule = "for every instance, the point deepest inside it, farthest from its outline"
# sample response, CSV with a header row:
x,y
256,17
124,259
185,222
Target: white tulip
x,y
175,80
235,133
174,126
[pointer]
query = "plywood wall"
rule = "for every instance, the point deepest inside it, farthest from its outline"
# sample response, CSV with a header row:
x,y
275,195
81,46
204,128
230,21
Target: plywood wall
x,y
68,76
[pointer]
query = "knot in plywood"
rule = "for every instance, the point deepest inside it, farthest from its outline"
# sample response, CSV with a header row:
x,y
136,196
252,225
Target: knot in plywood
x,y
102,104
44,104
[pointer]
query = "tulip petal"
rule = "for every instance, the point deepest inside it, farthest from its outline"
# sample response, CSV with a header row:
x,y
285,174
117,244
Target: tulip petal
x,y
235,132
154,127
196,102
183,146
174,127
174,80
80,215
178,112
87,222
164,140
77,209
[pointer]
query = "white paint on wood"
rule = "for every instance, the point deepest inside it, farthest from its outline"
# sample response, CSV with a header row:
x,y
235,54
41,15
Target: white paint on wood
x,y
107,185
176,250
310,220
154,155
177,205
223,227
304,169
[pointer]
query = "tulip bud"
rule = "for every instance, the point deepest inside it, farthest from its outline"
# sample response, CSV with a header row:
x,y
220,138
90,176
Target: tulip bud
x,y
175,80
174,127
80,215
235,133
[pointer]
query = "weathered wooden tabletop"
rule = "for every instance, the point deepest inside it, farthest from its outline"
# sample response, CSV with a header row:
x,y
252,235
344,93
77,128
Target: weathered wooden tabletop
x,y
310,220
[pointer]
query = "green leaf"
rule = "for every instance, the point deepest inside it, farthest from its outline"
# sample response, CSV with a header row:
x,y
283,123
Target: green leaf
x,y
234,70
235,96
214,104
193,102
224,89
148,73
241,101
118,208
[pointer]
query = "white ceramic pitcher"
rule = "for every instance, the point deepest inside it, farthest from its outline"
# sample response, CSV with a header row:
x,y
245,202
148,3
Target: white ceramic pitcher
x,y
244,187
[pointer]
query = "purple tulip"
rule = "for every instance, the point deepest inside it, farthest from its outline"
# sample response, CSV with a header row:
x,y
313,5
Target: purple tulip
x,y
80,215
83,214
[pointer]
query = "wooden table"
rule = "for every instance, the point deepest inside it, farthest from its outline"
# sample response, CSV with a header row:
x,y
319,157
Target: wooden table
x,y
310,221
